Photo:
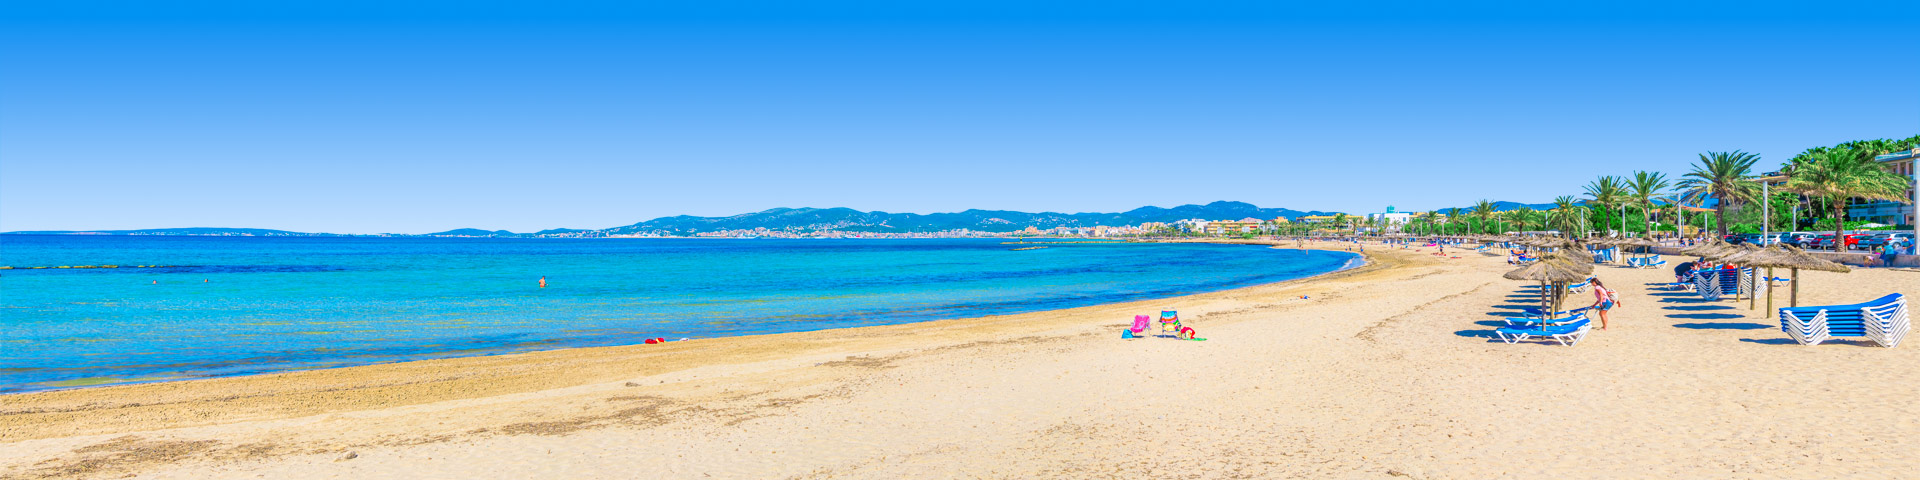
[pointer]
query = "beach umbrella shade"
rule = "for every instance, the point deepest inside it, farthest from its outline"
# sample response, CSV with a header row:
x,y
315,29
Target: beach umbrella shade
x,y
1735,255
1639,242
1554,272
1794,259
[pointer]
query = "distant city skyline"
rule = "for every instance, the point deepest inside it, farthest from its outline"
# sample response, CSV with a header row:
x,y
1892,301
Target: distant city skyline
x,y
370,117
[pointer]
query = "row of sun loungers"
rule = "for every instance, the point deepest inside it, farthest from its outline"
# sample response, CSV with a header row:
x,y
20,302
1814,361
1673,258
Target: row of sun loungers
x,y
1883,320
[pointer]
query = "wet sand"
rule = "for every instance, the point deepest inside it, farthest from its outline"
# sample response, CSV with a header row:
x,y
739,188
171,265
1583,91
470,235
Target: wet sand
x,y
1384,371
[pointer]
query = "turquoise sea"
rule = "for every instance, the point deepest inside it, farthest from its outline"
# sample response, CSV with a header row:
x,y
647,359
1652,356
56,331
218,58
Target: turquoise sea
x,y
243,305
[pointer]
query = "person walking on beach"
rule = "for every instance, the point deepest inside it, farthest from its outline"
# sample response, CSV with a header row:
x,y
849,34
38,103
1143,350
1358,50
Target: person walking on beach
x,y
1604,301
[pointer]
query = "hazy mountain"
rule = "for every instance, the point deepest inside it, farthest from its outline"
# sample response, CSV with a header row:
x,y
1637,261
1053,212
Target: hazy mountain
x,y
174,231
1505,206
474,232
847,219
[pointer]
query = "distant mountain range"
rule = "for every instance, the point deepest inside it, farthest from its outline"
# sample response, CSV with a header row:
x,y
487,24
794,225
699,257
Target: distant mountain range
x,y
1505,206
847,219
844,219
172,231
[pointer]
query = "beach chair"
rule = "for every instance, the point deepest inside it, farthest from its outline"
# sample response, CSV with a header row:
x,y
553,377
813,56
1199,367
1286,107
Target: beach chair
x,y
1537,321
1723,282
1674,285
1568,334
1170,324
1883,320
1535,313
1580,287
1140,325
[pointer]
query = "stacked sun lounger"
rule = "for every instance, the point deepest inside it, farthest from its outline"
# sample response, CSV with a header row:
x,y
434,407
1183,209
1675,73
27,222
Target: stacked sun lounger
x,y
1883,320
1712,285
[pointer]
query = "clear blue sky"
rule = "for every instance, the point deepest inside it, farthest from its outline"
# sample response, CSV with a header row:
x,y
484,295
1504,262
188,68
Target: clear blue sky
x,y
358,117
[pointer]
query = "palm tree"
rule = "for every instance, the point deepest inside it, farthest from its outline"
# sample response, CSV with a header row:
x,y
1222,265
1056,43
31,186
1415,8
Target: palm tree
x,y
1483,211
1567,216
1526,217
1724,177
1607,192
1453,216
1839,174
1641,190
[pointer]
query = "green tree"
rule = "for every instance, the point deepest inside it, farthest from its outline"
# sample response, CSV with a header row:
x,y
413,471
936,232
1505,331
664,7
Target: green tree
x,y
1483,211
1607,192
1641,191
1839,174
1567,216
1726,178
1454,216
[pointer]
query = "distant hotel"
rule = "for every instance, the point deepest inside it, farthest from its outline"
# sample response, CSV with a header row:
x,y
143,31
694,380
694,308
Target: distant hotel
x,y
1889,212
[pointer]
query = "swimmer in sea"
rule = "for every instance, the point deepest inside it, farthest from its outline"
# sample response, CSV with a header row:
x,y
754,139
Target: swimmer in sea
x,y
543,281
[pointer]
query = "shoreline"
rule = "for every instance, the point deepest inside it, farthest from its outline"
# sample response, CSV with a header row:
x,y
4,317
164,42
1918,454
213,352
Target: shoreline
x,y
177,391
107,381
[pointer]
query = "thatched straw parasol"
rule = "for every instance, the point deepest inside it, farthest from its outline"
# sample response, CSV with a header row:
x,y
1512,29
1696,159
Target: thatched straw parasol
x,y
1786,256
1638,242
1553,272
1705,249
1737,255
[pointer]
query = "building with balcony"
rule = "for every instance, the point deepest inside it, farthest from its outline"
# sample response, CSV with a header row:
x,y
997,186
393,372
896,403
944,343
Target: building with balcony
x,y
1894,212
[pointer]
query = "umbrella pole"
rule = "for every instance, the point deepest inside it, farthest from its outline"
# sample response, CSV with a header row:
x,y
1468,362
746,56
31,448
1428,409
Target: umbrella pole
x,y
1546,306
1769,289
1795,288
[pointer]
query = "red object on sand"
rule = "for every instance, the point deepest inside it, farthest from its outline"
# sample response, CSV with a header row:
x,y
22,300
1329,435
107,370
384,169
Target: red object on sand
x,y
652,341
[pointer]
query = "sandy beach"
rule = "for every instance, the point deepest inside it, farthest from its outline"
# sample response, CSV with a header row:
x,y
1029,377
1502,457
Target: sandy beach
x,y
1384,371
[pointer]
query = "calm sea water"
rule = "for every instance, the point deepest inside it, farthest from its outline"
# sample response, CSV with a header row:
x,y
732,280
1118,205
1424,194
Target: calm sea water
x,y
243,305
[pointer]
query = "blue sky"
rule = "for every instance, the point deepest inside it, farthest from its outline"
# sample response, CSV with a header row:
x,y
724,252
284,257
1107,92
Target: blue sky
x,y
360,117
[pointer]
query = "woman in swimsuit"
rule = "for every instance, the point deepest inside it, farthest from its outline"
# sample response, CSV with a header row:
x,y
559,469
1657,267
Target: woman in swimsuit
x,y
1604,301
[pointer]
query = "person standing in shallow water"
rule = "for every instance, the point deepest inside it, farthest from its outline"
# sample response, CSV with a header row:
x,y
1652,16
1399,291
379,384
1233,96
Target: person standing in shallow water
x,y
543,281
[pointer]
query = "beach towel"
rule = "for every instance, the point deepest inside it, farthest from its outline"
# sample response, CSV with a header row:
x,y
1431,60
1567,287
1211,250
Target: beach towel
x,y
1140,324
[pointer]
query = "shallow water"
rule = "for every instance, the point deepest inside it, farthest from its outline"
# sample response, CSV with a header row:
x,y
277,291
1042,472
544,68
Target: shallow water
x,y
243,305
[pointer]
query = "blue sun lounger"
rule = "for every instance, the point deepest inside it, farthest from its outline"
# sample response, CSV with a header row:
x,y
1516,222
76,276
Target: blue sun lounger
x,y
1534,313
1567,334
1537,321
1723,283
1883,320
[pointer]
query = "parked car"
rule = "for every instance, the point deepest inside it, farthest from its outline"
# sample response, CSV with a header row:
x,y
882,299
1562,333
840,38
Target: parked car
x,y
1800,239
1880,239
1826,241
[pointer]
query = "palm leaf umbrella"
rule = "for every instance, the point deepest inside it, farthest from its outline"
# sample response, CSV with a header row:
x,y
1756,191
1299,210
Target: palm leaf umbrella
x,y
1639,242
1553,272
1790,257
1736,255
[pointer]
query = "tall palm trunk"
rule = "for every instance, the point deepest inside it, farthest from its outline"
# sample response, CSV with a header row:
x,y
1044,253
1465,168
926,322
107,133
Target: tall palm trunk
x,y
1839,226
1720,217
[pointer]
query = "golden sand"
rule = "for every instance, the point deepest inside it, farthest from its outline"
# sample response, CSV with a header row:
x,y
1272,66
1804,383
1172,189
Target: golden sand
x,y
1385,371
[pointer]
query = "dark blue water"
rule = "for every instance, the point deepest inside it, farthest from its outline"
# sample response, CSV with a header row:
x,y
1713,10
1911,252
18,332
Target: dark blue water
x,y
242,305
